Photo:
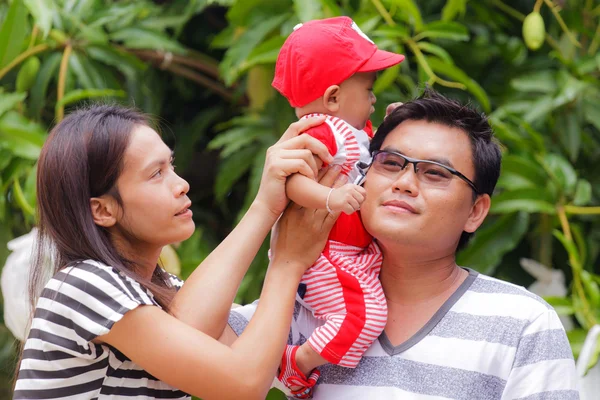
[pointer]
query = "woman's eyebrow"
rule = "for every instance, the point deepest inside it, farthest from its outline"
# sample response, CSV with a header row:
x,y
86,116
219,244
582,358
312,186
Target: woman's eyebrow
x,y
160,162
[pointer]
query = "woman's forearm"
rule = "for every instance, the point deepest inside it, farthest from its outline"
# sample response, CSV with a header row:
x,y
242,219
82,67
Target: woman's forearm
x,y
263,340
205,299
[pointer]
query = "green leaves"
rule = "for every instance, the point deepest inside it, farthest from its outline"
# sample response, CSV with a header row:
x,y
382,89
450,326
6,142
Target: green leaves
x,y
307,9
244,44
8,101
43,13
137,38
528,200
12,32
21,136
409,11
489,244
444,30
83,94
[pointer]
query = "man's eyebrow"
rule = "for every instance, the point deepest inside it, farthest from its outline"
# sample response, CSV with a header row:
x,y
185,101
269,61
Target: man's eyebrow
x,y
440,160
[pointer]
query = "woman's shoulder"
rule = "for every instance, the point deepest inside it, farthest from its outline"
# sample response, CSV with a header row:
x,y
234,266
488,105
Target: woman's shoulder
x,y
94,279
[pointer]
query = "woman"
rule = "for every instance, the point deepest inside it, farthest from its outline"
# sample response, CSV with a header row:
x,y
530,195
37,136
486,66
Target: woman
x,y
109,200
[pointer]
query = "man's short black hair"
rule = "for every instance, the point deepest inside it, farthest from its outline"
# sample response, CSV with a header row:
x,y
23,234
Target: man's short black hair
x,y
431,106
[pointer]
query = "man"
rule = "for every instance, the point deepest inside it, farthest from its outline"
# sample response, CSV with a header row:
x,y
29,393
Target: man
x,y
451,332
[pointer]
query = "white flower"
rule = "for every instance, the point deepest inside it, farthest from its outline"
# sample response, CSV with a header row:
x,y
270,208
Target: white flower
x,y
549,282
14,283
589,385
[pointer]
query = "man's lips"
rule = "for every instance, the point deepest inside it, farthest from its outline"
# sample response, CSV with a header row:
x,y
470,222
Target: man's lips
x,y
399,205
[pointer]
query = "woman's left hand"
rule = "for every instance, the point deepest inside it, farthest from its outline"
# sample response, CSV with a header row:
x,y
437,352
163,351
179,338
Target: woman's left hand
x,y
300,234
293,153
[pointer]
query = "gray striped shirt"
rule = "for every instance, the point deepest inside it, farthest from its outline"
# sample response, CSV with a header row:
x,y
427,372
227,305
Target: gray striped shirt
x,y
490,340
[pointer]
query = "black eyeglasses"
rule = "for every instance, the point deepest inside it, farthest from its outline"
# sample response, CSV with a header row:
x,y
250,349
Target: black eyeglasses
x,y
391,163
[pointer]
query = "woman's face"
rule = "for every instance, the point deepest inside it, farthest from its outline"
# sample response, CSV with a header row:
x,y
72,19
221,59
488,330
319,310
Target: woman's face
x,y
155,206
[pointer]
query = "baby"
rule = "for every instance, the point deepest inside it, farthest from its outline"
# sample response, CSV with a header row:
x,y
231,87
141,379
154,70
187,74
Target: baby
x,y
328,67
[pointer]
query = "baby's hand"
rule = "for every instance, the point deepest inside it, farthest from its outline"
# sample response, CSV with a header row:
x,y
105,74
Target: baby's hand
x,y
347,198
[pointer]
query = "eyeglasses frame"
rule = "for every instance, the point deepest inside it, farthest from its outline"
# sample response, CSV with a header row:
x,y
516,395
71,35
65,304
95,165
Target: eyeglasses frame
x,y
364,167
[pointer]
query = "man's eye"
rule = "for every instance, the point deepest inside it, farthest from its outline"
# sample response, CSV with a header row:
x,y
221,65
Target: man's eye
x,y
157,174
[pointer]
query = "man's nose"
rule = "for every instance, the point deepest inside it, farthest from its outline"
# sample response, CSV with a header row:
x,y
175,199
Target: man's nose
x,y
406,180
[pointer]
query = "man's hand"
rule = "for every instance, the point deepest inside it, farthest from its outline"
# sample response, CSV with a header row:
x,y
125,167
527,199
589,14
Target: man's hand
x,y
347,198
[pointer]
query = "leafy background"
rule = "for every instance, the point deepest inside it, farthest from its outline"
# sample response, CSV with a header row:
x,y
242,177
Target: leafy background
x,y
203,68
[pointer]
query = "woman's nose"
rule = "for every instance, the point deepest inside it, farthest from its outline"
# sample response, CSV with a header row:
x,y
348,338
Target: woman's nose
x,y
181,186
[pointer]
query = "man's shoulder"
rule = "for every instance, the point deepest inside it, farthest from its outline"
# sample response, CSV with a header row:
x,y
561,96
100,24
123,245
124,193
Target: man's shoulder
x,y
499,290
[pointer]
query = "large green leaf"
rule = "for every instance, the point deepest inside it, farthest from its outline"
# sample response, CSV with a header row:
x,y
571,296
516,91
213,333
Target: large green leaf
x,y
264,53
409,11
541,108
436,50
440,67
42,80
583,193
136,38
12,32
521,172
492,241
561,171
23,137
307,10
529,200
126,63
386,78
243,46
232,169
539,81
43,13
82,94
8,101
444,30
453,8
569,132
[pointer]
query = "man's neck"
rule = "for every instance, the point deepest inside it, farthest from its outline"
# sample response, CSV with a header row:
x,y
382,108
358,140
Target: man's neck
x,y
412,281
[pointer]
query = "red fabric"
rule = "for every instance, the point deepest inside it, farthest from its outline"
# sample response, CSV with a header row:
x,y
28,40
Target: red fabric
x,y
325,52
354,321
324,134
349,229
369,129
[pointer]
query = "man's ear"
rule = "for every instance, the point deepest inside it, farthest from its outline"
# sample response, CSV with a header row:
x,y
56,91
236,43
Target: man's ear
x,y
479,210
331,99
104,210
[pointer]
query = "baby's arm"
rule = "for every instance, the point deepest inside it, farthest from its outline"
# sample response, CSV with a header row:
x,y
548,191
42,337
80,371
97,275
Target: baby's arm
x,y
311,194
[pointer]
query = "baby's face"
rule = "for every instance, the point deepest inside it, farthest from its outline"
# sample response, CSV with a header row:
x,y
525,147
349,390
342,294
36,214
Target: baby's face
x,y
357,99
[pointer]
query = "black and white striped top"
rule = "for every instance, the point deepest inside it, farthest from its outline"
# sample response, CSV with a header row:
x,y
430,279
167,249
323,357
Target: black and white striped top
x,y
60,361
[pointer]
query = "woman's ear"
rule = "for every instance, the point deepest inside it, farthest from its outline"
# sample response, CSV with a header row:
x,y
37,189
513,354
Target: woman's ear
x,y
331,99
104,210
479,210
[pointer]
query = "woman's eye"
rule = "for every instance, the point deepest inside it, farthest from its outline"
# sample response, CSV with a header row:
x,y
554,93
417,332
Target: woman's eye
x,y
157,174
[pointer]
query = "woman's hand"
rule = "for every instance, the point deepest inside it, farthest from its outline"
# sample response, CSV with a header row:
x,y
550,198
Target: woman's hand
x,y
392,107
300,235
293,153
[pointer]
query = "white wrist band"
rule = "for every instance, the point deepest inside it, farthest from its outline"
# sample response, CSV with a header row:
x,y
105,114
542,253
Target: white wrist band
x,y
327,202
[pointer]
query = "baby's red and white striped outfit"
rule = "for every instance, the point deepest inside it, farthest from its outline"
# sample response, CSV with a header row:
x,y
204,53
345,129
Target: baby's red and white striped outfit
x,y
343,287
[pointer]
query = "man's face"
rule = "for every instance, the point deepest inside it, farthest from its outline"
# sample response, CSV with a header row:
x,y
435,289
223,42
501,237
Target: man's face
x,y
402,210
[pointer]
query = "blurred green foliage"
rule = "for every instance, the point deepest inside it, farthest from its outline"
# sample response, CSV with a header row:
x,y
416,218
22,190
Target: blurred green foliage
x,y
204,69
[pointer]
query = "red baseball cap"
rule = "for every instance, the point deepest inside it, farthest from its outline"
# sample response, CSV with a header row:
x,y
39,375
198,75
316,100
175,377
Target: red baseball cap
x,y
325,52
